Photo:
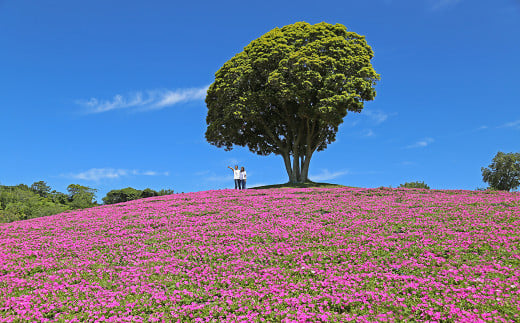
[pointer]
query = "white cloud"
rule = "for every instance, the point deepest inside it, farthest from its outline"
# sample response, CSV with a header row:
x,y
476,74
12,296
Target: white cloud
x,y
139,101
350,123
152,173
325,175
439,4
96,174
511,124
421,143
377,116
369,133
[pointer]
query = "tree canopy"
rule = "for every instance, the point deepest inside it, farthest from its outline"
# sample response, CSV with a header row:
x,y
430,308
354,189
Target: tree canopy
x,y
41,188
504,172
21,202
288,91
130,194
81,197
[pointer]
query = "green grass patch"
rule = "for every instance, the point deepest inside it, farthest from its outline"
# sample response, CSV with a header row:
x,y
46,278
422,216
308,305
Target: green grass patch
x,y
307,184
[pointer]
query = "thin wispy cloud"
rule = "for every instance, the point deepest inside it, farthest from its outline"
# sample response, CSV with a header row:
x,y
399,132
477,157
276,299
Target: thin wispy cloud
x,y
368,133
377,116
421,143
150,173
326,175
97,174
511,124
144,101
350,123
440,4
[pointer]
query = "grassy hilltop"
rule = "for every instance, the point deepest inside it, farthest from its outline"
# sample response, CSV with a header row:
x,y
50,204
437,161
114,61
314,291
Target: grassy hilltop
x,y
308,184
306,254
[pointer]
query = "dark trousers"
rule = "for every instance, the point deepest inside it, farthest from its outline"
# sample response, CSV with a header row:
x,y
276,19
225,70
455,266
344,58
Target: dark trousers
x,y
243,182
237,184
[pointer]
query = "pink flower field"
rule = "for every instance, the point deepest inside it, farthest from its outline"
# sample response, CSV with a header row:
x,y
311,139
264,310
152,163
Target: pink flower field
x,y
280,255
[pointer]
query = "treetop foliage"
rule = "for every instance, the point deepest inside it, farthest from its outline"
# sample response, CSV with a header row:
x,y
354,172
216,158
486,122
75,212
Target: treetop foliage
x,y
310,71
504,172
288,91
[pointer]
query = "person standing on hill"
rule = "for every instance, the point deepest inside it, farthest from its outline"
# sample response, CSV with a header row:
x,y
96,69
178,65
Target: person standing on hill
x,y
236,176
243,177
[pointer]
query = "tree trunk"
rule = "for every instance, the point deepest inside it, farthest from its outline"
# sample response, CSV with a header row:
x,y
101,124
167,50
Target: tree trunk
x,y
296,168
288,168
305,143
305,167
299,171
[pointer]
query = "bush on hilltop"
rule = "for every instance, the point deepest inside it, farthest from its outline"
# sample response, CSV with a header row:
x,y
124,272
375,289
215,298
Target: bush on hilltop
x,y
415,185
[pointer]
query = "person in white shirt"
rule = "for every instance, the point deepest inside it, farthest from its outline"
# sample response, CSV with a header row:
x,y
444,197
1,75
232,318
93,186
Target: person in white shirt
x,y
236,176
243,177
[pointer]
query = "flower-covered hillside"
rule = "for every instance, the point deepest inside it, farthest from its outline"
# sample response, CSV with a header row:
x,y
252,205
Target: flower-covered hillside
x,y
288,255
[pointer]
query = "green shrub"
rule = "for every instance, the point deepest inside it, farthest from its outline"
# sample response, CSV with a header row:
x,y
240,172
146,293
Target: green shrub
x,y
122,195
148,192
415,185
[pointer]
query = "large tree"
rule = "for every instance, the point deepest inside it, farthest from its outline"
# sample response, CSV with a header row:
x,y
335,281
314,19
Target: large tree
x,y
41,188
504,172
288,91
81,197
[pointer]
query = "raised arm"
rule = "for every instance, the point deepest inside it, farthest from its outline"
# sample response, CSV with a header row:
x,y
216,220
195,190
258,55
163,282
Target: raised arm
x,y
230,168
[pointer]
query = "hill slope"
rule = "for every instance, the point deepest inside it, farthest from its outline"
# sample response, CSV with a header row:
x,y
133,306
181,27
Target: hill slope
x,y
291,255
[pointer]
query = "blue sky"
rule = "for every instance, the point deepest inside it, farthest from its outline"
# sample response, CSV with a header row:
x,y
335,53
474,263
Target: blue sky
x,y
110,94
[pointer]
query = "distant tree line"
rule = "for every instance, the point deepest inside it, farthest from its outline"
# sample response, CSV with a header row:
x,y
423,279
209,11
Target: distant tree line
x,y
22,202
129,194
